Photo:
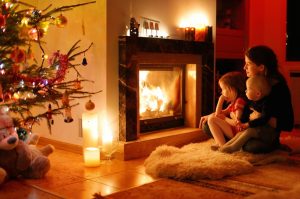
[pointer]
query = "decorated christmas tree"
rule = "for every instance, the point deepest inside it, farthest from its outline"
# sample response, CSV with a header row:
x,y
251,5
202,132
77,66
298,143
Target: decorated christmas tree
x,y
25,83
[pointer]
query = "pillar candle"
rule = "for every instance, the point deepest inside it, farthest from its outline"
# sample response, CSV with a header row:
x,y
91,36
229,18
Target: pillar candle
x,y
200,33
91,151
91,156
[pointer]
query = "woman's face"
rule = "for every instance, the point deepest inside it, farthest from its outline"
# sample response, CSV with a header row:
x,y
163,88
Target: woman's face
x,y
252,69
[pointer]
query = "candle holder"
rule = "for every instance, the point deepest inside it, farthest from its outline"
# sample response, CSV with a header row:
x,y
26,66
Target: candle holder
x,y
91,150
110,149
110,142
189,33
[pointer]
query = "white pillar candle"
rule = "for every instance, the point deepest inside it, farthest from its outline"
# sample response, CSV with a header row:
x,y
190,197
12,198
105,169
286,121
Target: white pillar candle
x,y
91,150
91,156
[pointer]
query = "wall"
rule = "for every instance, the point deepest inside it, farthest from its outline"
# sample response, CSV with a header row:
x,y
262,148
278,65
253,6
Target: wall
x,y
267,25
93,18
104,21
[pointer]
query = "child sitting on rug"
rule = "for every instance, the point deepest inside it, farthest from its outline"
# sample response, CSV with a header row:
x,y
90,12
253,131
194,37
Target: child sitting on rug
x,y
223,122
258,90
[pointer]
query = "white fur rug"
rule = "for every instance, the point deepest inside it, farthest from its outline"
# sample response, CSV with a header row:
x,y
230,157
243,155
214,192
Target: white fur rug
x,y
198,161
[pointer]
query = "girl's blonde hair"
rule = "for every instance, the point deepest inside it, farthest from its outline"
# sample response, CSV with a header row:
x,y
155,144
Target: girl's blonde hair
x,y
235,81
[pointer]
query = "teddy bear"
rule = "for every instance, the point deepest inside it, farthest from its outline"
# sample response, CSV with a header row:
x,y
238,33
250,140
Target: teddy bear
x,y
17,158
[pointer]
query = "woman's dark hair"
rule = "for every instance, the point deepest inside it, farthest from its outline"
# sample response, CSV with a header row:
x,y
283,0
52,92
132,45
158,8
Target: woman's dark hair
x,y
264,55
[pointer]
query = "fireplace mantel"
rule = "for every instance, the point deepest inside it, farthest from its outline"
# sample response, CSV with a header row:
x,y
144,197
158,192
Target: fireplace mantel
x,y
138,50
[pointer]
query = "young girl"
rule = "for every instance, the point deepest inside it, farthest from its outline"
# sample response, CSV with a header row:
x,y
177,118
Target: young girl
x,y
222,123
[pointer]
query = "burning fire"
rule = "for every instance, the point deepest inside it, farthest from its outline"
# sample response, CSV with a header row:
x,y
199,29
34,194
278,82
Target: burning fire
x,y
159,93
152,98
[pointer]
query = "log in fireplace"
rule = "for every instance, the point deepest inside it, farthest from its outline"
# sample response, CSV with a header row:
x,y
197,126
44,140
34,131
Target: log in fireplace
x,y
163,83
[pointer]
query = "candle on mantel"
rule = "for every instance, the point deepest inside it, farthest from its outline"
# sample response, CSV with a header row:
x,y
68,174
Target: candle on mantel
x,y
200,33
91,150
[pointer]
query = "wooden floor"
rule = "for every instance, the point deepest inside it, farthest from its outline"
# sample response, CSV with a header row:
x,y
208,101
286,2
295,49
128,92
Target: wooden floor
x,y
68,178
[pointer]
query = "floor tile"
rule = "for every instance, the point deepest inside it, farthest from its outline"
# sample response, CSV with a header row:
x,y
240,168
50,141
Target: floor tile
x,y
84,189
125,180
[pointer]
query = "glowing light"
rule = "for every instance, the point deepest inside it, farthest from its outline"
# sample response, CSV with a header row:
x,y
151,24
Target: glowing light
x,y
151,98
196,20
24,21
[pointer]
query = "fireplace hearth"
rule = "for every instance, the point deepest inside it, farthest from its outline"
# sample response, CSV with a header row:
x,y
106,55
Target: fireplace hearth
x,y
188,90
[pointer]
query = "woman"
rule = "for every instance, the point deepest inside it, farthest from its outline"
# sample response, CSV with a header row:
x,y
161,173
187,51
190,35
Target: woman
x,y
261,60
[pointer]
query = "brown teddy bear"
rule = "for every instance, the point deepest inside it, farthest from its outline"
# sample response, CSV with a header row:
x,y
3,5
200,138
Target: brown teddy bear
x,y
19,159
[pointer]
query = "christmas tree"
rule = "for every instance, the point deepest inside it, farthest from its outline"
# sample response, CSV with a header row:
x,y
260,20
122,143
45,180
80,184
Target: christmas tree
x,y
26,84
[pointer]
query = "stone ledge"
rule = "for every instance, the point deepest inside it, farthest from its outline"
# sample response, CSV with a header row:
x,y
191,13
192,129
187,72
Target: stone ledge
x,y
172,137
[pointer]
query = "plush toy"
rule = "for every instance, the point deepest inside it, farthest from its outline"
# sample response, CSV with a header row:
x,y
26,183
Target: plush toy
x,y
17,158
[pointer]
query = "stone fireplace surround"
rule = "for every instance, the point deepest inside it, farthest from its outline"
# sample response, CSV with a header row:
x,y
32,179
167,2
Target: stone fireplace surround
x,y
198,58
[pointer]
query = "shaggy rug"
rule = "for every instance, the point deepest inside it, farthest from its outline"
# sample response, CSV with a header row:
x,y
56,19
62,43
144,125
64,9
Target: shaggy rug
x,y
198,161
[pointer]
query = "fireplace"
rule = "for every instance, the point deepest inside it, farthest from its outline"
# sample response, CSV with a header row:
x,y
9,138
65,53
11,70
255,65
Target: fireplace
x,y
163,83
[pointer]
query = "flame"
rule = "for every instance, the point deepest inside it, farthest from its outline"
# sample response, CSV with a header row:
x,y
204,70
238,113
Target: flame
x,y
152,98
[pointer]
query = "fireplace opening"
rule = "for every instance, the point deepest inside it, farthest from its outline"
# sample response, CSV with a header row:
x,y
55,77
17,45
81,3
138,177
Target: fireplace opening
x,y
160,96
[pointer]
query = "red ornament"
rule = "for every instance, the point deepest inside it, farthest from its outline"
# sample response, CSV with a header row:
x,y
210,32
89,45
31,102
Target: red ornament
x,y
18,55
61,21
35,34
2,20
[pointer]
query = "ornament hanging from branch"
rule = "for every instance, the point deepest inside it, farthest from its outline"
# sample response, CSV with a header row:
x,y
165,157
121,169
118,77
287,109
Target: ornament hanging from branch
x,y
89,105
84,61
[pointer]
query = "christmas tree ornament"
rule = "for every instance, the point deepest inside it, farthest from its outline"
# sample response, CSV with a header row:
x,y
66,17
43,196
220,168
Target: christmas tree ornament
x,y
18,55
77,85
35,16
84,61
49,115
2,20
65,99
44,26
68,115
61,21
24,22
89,105
6,97
23,32
1,94
35,34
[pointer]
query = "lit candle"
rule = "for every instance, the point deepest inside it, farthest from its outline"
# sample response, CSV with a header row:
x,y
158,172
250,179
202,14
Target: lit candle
x,y
200,33
107,138
91,156
91,151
